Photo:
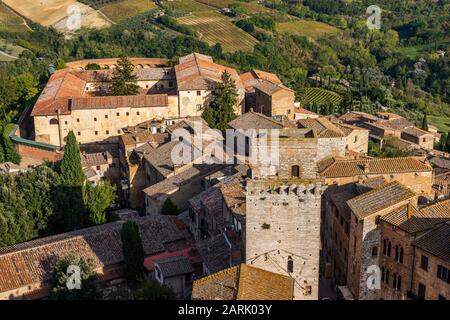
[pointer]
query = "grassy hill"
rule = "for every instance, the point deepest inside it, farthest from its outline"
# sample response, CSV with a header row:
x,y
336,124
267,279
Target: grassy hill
x,y
9,21
311,29
121,10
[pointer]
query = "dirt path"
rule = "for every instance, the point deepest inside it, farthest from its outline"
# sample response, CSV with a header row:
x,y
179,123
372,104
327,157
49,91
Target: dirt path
x,y
8,55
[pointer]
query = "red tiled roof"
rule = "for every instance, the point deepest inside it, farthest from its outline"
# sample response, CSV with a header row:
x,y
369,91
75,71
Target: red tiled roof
x,y
199,72
111,102
30,263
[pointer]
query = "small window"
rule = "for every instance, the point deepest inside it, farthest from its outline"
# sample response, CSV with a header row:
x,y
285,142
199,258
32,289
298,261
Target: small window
x,y
127,113
198,107
138,113
106,116
295,171
421,291
96,133
199,93
171,84
53,121
98,167
290,265
424,263
118,131
389,249
107,131
117,114
375,251
356,138
79,133
65,122
78,119
95,119
443,274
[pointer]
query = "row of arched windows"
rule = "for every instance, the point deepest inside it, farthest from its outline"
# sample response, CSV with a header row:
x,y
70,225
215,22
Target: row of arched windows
x,y
398,250
396,281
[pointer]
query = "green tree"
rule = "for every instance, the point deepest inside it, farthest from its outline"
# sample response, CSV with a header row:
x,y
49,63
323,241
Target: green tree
x,y
154,291
221,110
133,251
93,66
16,224
9,149
97,199
124,80
71,169
70,210
447,143
425,122
61,274
169,208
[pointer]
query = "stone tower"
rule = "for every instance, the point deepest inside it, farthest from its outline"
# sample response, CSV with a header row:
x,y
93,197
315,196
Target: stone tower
x,y
283,212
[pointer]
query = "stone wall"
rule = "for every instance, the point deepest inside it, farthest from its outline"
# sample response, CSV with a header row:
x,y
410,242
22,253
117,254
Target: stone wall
x,y
330,147
434,285
282,224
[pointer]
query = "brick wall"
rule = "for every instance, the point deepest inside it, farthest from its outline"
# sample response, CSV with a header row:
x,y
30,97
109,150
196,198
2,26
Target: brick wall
x,y
37,153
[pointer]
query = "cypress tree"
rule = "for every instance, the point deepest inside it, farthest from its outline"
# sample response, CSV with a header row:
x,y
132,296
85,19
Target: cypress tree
x,y
124,80
133,251
169,208
447,144
425,122
221,109
71,169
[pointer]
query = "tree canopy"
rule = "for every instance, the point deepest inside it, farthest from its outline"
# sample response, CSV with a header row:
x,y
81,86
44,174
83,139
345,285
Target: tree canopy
x,y
221,110
133,251
124,80
63,286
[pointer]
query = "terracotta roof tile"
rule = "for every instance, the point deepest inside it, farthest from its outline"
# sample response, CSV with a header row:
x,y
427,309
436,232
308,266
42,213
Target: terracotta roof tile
x,y
199,72
254,120
323,127
244,282
378,199
411,219
348,168
259,284
30,262
436,242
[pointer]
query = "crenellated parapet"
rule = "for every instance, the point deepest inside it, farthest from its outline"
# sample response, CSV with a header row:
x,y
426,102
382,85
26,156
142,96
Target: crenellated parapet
x,y
284,187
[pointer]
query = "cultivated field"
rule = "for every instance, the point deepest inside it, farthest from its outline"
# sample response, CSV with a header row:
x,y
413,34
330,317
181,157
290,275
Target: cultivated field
x,y
56,12
211,26
216,3
8,51
215,28
311,29
125,9
320,96
9,21
442,123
